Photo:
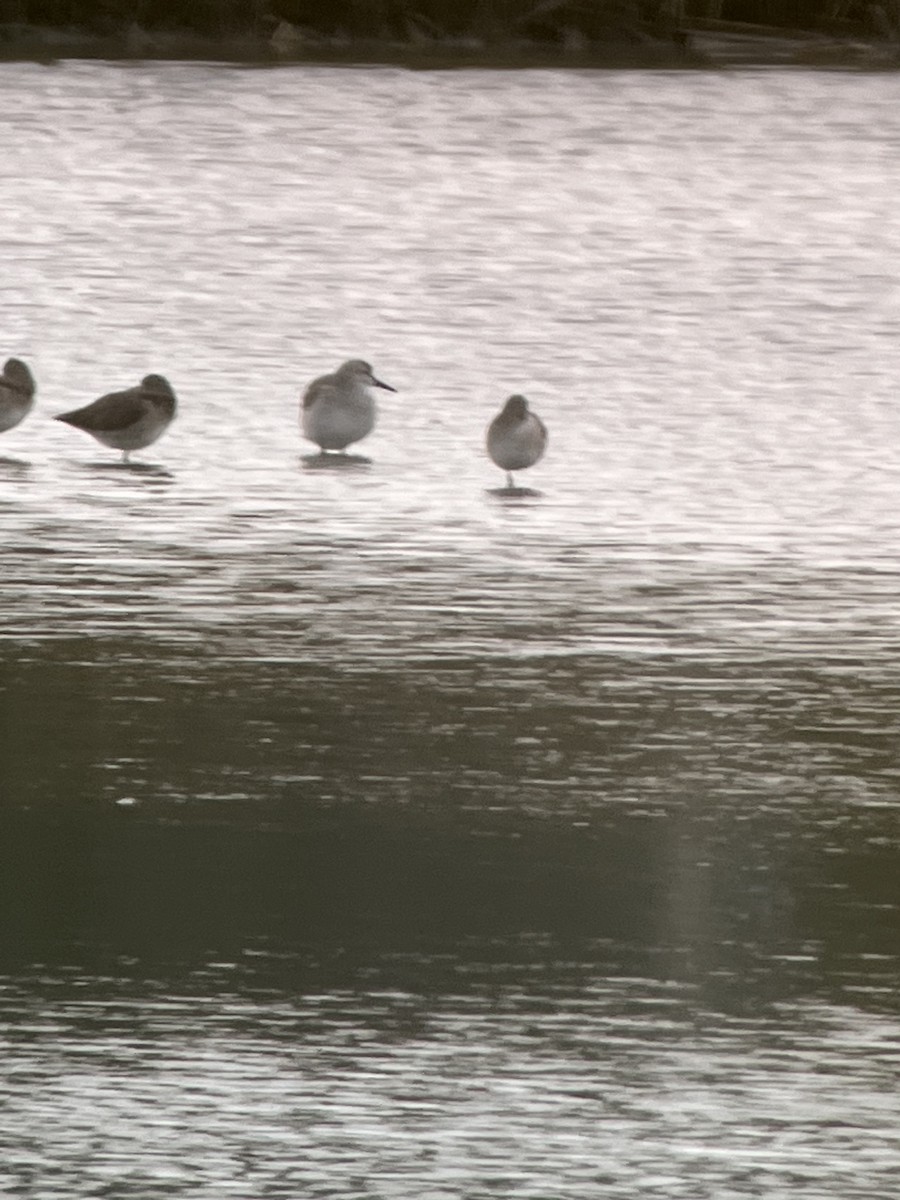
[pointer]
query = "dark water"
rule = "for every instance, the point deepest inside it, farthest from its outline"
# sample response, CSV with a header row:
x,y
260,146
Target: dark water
x,y
366,833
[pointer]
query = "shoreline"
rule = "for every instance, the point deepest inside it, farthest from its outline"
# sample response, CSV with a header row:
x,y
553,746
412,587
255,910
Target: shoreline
x,y
699,46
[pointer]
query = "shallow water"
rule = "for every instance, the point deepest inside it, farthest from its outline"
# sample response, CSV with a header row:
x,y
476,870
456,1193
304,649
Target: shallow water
x,y
367,832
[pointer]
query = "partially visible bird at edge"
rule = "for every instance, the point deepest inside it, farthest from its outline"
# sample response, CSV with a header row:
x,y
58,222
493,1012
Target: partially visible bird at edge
x,y
17,390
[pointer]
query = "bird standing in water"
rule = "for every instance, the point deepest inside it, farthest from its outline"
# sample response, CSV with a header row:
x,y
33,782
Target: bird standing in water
x,y
516,438
339,409
128,420
16,394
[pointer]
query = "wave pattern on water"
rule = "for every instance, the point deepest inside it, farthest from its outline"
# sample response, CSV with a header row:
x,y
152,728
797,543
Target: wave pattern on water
x,y
620,1087
366,832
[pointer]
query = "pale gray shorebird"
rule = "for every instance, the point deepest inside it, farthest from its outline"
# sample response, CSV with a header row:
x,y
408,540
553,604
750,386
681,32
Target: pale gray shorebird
x,y
17,390
128,420
339,409
516,438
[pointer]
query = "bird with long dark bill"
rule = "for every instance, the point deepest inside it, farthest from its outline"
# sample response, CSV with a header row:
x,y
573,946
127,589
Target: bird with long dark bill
x,y
339,409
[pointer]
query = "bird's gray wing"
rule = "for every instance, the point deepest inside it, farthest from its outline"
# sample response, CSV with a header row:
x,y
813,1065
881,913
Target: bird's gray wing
x,y
116,411
318,390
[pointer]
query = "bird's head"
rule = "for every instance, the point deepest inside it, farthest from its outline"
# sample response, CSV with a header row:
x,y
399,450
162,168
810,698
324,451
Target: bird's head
x,y
360,371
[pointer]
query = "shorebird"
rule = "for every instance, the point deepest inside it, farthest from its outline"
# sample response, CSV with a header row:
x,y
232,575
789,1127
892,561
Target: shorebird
x,y
128,420
16,394
339,409
516,438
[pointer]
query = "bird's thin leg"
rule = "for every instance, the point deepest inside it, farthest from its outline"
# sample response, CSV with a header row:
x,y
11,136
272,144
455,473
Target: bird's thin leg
x,y
124,456
509,481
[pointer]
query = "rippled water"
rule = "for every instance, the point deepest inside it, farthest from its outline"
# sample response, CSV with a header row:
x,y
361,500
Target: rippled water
x,y
369,833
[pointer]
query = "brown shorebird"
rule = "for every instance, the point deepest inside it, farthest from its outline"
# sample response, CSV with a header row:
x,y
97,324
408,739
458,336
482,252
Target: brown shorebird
x,y
16,394
128,420
516,438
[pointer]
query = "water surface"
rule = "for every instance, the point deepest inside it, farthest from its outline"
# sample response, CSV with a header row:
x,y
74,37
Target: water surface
x,y
369,833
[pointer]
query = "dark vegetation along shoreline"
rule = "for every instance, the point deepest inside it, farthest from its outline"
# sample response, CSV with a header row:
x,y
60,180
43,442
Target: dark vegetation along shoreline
x,y
445,33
